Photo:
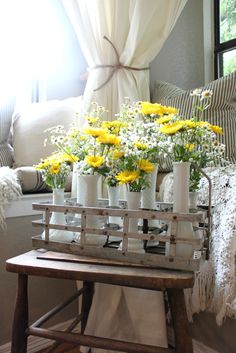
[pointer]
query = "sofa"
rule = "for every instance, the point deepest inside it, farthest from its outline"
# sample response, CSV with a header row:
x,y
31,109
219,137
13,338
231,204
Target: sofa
x,y
22,145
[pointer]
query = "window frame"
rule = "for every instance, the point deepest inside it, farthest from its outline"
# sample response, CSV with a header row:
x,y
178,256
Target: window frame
x,y
220,48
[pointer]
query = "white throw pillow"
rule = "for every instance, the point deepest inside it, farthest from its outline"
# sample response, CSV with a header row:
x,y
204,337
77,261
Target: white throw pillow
x,y
29,125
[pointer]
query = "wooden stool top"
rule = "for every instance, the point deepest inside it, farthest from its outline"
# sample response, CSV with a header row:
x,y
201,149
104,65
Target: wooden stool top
x,y
73,267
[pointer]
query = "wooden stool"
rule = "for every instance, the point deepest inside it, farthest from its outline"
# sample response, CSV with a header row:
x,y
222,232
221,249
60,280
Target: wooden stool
x,y
90,271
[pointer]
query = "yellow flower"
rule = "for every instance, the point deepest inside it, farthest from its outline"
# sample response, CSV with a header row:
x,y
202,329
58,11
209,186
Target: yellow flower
x,y
169,110
109,139
42,165
117,154
55,168
146,166
65,157
148,108
216,129
140,146
94,161
112,124
189,146
95,132
202,123
188,123
171,129
164,119
92,120
127,176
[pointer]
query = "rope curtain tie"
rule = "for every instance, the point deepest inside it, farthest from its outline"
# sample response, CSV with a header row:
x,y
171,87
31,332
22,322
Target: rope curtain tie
x,y
115,67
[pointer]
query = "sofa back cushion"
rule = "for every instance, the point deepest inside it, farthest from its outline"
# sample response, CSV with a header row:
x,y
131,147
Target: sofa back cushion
x,y
222,110
29,125
6,151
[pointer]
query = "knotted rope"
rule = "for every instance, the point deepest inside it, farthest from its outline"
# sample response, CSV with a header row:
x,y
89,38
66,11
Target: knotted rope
x,y
115,67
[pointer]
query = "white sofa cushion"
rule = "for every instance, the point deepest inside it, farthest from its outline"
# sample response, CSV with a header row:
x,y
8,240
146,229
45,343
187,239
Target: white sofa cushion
x,y
29,125
222,110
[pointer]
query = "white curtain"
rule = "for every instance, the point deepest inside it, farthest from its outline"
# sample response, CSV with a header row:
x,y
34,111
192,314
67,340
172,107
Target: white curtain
x,y
136,28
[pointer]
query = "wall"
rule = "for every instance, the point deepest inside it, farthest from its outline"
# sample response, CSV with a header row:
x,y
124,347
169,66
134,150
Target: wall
x,y
181,59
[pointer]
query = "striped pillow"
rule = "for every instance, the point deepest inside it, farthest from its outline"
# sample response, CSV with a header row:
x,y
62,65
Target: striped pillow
x,y
31,180
6,151
222,110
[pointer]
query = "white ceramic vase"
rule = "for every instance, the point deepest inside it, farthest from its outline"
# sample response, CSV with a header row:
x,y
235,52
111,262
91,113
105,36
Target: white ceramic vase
x,y
193,200
59,235
148,195
113,201
133,203
148,201
74,180
88,185
181,171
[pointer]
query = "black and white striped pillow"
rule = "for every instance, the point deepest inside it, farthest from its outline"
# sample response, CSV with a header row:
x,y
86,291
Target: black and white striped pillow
x,y
31,180
222,110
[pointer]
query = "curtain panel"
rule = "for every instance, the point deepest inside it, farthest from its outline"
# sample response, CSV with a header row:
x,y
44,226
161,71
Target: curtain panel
x,y
136,31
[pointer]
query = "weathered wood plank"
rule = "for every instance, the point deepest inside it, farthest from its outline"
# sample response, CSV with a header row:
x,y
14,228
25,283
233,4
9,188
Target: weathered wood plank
x,y
154,260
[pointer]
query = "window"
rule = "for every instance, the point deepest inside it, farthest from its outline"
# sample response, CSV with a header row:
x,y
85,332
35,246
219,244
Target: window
x,y
225,37
37,54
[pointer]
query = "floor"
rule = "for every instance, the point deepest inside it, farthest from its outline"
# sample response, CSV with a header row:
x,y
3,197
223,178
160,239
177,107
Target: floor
x,y
67,348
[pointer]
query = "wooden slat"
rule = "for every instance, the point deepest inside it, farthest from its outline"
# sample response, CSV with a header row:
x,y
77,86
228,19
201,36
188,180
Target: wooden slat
x,y
97,342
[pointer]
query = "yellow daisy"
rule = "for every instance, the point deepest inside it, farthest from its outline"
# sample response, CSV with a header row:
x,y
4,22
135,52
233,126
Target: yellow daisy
x,y
95,132
109,139
140,146
94,161
117,154
55,168
127,176
171,129
216,129
146,166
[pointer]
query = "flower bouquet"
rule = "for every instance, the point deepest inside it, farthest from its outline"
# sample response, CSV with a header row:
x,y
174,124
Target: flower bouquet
x,y
194,140
55,170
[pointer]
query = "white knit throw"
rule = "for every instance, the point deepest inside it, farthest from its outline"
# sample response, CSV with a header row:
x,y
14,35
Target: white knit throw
x,y
10,190
215,284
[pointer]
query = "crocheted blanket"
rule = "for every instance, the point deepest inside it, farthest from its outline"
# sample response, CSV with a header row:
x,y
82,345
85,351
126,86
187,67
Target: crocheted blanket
x,y
10,190
215,284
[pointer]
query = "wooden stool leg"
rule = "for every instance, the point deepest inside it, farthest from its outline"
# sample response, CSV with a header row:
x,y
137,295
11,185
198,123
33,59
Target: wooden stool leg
x,y
87,299
183,340
20,322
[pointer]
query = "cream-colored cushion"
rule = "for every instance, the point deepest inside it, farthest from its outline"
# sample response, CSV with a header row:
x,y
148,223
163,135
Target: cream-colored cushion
x,y
29,125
